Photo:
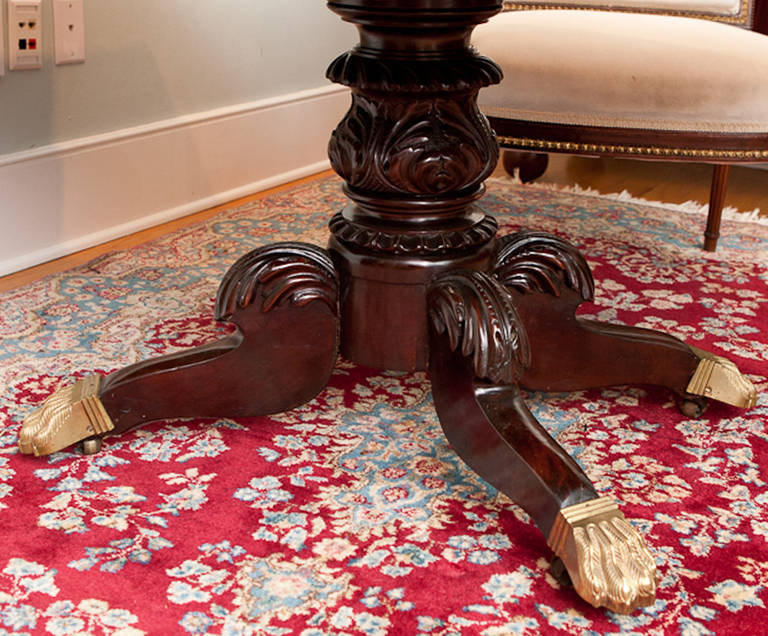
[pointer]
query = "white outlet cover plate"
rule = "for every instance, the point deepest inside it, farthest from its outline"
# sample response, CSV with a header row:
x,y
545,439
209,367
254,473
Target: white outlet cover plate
x,y
69,31
25,25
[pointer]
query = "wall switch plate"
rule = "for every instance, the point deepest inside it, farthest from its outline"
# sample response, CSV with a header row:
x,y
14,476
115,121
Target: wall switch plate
x,y
69,31
25,44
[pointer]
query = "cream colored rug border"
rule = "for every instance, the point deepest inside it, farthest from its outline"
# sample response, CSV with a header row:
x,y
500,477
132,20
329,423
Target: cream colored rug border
x,y
688,207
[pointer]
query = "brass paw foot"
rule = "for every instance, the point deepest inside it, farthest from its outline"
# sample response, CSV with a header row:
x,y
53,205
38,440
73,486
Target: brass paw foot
x,y
720,379
71,414
605,556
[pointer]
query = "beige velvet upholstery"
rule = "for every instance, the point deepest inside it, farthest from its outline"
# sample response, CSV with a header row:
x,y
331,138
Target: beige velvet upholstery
x,y
626,70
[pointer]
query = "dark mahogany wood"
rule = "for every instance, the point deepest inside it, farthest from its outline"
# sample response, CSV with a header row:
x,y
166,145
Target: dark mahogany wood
x,y
760,16
283,302
478,351
414,277
413,150
548,279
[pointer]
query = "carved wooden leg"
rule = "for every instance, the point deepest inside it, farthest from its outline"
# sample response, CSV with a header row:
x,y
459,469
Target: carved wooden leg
x,y
549,279
530,165
478,351
283,301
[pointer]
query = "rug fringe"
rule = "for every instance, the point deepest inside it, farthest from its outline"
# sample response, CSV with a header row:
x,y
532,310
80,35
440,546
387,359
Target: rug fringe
x,y
688,207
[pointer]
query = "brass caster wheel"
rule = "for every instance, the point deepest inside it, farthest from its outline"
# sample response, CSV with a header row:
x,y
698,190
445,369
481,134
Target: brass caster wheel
x,y
89,446
560,572
693,406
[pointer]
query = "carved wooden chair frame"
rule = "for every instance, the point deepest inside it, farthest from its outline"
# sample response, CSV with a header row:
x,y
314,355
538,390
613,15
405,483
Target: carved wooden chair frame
x,y
526,142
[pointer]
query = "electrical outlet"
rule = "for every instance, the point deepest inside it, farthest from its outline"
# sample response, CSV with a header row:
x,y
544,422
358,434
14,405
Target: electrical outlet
x,y
25,44
69,31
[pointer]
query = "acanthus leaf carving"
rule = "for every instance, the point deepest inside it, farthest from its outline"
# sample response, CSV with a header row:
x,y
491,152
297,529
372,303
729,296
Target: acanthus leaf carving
x,y
469,72
275,275
477,315
412,242
539,261
416,147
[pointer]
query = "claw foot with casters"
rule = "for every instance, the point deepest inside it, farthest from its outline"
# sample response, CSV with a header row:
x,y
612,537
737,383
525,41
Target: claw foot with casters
x,y
283,301
415,278
549,278
479,350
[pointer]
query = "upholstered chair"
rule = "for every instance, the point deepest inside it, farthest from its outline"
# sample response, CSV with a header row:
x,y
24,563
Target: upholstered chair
x,y
672,80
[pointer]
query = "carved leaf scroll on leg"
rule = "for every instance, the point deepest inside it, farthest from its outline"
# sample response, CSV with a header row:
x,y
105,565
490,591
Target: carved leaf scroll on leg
x,y
530,261
282,298
550,279
478,350
479,319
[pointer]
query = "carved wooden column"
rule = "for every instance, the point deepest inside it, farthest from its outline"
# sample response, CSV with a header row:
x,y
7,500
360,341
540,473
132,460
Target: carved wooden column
x,y
414,151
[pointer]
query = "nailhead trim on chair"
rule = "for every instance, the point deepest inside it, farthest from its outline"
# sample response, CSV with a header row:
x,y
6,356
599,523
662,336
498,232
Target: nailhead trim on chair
x,y
652,151
743,19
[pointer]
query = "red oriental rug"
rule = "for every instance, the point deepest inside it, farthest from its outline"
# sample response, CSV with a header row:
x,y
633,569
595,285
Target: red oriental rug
x,y
351,514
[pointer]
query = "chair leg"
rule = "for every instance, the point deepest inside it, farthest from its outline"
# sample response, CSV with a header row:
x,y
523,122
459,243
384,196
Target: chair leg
x,y
530,164
716,200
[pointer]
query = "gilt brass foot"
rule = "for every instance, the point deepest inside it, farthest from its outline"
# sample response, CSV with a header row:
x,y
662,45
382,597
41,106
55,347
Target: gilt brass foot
x,y
605,556
720,379
71,414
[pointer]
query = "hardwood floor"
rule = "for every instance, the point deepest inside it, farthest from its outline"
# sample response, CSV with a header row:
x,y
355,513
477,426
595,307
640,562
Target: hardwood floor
x,y
658,181
32,274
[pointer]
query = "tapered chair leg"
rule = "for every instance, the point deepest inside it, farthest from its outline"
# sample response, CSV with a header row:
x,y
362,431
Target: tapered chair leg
x,y
716,200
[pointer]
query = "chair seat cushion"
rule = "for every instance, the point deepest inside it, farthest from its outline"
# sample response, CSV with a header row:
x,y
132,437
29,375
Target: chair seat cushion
x,y
627,70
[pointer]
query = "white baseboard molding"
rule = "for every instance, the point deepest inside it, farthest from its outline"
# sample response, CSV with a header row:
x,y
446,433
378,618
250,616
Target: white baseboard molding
x,y
62,198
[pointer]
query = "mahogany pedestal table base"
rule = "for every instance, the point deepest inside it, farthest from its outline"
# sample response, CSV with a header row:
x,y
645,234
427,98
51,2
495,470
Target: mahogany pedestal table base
x,y
415,278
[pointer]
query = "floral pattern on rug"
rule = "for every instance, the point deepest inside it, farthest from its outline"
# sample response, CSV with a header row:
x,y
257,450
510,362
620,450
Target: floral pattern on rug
x,y
351,514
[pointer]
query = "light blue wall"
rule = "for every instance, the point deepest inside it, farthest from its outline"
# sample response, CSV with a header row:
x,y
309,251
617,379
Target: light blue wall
x,y
148,60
